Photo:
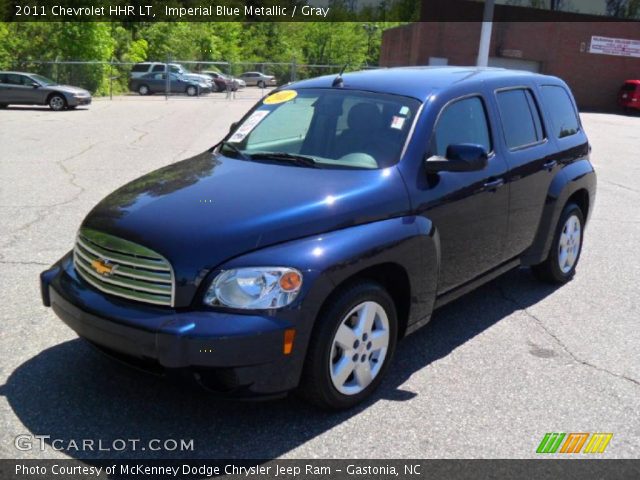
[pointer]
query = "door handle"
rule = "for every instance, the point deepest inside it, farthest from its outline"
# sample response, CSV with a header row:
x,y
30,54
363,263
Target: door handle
x,y
550,165
494,184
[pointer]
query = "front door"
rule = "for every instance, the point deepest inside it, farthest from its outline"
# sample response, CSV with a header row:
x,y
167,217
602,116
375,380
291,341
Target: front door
x,y
468,209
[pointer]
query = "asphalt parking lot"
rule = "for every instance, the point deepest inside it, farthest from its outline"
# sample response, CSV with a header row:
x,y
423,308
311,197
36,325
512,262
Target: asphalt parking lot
x,y
487,378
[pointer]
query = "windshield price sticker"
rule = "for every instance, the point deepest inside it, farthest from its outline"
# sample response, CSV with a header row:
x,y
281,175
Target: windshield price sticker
x,y
254,119
280,97
397,122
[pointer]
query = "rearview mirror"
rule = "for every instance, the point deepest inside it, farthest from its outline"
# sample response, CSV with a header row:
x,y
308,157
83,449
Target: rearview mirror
x,y
233,126
462,157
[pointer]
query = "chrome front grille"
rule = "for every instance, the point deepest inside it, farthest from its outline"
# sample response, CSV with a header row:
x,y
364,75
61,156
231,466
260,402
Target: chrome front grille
x,y
123,268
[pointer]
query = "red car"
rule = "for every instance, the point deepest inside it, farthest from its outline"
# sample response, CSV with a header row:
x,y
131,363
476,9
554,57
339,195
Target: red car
x,y
629,95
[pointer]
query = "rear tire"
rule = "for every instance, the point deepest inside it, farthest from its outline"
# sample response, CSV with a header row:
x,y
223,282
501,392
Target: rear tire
x,y
3,105
143,90
566,247
57,103
351,347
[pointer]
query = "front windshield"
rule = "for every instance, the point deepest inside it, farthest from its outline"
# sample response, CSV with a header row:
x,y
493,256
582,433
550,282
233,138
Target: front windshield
x,y
333,127
43,80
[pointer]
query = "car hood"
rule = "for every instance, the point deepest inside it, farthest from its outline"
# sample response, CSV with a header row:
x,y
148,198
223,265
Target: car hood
x,y
203,211
70,89
197,76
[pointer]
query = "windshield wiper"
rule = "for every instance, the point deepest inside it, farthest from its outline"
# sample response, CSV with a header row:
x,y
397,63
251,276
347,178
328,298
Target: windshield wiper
x,y
302,160
231,146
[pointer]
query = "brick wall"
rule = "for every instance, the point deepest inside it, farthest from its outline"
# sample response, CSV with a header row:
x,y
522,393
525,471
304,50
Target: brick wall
x,y
561,48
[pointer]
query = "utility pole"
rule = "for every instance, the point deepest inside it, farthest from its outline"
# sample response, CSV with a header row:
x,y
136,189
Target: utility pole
x,y
485,34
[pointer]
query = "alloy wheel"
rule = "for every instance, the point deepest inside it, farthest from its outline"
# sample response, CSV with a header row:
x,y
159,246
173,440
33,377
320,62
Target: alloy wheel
x,y
569,243
56,103
359,348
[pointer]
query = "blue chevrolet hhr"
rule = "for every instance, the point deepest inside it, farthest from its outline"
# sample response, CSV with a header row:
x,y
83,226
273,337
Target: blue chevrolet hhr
x,y
330,222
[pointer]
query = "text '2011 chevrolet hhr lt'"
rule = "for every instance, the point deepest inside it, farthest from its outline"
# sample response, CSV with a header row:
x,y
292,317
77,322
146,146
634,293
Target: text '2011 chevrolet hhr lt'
x,y
332,220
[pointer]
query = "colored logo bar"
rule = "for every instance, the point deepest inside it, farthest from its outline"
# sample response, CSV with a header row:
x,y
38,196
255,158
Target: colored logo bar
x,y
573,442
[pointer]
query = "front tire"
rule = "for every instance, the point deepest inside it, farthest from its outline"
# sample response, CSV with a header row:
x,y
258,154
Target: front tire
x,y
560,265
192,91
57,103
351,347
261,84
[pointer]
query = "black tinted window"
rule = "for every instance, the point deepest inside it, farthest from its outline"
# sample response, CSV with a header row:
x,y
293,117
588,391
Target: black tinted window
x,y
464,121
563,116
520,118
13,79
158,68
628,87
140,68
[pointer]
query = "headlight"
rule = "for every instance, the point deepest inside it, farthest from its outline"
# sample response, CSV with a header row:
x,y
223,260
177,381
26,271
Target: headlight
x,y
255,288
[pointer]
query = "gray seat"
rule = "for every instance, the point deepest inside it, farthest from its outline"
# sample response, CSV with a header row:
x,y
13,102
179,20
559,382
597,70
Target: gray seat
x,y
364,123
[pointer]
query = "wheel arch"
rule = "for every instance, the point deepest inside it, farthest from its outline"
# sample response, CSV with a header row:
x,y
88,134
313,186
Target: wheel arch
x,y
51,94
391,276
576,182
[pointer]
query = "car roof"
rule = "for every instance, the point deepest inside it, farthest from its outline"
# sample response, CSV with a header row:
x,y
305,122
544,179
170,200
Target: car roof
x,y
17,73
418,82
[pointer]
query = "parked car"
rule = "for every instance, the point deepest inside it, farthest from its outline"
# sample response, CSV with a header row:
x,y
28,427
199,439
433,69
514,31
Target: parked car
x,y
224,82
157,83
629,95
141,69
20,88
258,79
340,213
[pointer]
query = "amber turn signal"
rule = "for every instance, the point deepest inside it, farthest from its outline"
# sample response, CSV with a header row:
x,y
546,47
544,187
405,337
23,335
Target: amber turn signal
x,y
290,281
289,335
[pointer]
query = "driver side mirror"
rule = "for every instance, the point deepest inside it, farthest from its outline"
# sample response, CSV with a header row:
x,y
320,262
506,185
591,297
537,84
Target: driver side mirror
x,y
35,85
462,157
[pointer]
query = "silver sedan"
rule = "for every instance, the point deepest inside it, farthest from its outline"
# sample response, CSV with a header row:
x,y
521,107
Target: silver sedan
x,y
19,88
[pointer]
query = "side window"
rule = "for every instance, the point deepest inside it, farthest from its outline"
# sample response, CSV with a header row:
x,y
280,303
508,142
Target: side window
x,y
520,118
140,67
158,68
13,79
3,78
464,121
563,116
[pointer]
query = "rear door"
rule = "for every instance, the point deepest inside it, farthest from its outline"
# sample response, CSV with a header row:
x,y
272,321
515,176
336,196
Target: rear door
x,y
527,152
16,90
157,82
4,89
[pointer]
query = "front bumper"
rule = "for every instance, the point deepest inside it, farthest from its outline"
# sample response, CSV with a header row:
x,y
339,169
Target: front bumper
x,y
78,101
236,354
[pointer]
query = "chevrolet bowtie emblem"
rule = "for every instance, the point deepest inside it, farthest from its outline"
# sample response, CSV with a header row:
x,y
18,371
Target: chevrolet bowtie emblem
x,y
103,267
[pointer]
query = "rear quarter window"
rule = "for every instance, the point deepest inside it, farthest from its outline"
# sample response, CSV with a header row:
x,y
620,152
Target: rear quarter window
x,y
564,119
140,68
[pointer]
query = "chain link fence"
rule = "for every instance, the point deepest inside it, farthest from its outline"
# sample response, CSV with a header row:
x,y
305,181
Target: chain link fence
x,y
113,78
